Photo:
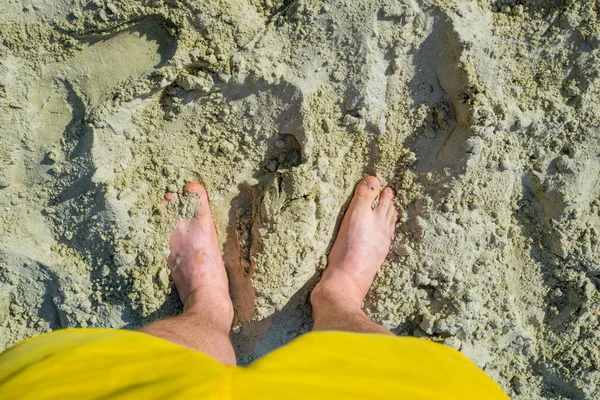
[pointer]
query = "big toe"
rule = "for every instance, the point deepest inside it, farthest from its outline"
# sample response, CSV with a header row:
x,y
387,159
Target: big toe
x,y
367,190
193,188
197,190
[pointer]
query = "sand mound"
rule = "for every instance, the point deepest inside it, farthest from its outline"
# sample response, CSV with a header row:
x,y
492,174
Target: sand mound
x,y
484,116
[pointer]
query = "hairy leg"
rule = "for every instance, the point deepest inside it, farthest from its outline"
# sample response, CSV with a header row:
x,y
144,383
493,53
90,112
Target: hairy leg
x,y
361,246
199,275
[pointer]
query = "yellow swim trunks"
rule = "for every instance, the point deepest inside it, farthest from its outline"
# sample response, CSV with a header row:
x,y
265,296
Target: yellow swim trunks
x,y
119,364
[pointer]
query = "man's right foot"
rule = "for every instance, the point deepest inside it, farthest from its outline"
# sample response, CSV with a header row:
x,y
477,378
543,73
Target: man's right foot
x,y
361,246
195,258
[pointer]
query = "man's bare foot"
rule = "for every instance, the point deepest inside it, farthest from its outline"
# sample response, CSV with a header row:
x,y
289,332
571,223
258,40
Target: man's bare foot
x,y
199,274
195,260
361,246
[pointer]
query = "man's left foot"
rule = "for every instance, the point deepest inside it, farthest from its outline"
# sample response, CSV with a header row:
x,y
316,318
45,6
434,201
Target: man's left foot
x,y
361,246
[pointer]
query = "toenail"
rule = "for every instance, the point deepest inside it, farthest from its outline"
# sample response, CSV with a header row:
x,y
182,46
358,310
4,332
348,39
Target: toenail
x,y
192,188
372,182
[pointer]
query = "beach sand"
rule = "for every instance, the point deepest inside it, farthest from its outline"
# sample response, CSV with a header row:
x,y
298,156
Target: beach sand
x,y
483,115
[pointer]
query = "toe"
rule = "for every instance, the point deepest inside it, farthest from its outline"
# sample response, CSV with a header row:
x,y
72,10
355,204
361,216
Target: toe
x,y
193,188
393,216
391,209
385,199
168,198
367,190
171,197
197,190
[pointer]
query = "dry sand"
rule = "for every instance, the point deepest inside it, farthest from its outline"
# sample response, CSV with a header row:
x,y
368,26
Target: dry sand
x,y
485,116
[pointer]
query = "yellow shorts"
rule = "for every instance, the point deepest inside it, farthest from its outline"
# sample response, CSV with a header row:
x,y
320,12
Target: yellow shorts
x,y
118,364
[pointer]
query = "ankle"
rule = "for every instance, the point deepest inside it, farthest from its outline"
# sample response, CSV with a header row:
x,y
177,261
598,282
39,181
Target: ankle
x,y
210,305
336,294
334,309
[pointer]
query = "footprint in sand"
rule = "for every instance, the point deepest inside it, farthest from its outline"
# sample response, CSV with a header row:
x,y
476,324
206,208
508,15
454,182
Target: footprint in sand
x,y
58,143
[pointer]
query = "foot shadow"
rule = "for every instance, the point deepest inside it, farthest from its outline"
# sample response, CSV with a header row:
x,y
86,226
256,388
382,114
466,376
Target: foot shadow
x,y
254,339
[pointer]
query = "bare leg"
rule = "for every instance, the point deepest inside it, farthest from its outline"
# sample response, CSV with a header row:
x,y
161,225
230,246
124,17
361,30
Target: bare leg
x,y
361,246
199,274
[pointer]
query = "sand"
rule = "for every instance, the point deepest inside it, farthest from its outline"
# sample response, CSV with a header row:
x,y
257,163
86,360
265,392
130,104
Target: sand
x,y
484,116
